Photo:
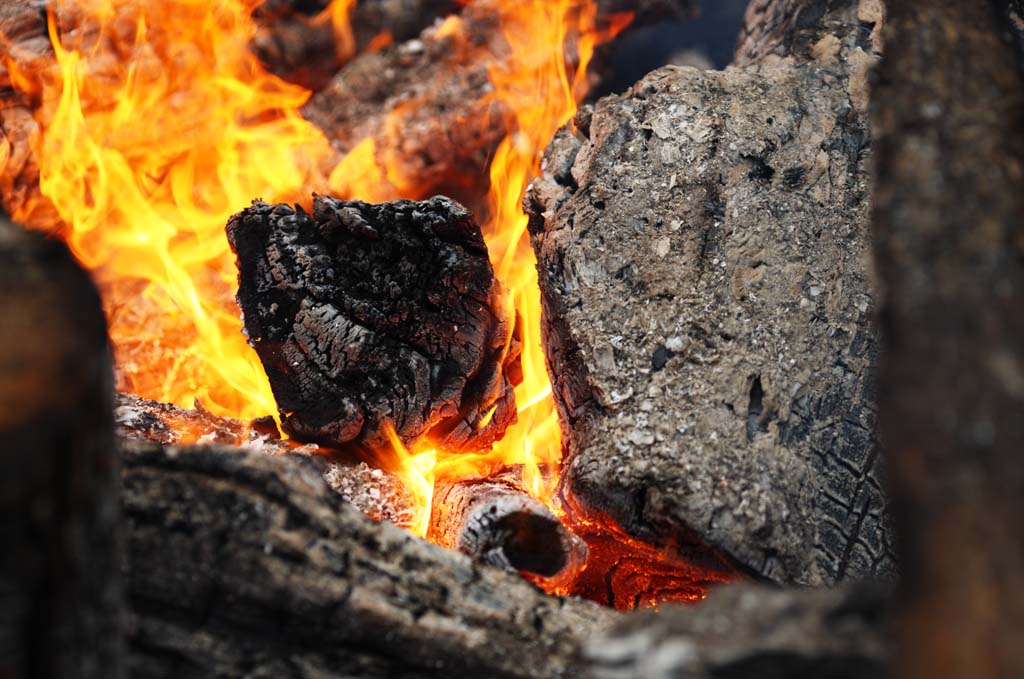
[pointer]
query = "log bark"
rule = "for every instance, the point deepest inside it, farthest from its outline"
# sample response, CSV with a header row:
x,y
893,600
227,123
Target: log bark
x,y
241,564
702,243
496,522
59,588
372,316
949,240
747,631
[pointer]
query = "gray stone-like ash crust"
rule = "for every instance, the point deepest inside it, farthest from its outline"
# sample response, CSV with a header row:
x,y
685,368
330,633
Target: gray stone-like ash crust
x,y
703,252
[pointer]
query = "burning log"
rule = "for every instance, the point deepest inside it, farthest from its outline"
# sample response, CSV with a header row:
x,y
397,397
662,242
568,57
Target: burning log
x,y
949,241
495,521
370,316
752,631
239,560
725,230
426,104
59,594
293,44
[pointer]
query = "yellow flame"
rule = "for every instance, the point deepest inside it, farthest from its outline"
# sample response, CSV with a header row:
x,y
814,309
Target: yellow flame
x,y
159,124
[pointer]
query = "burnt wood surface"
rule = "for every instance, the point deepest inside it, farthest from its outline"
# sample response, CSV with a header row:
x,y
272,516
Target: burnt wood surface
x,y
243,564
295,42
752,632
949,238
424,103
495,521
368,316
60,599
704,264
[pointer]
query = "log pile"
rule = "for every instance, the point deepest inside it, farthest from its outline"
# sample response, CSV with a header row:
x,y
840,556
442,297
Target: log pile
x,y
703,253
368,317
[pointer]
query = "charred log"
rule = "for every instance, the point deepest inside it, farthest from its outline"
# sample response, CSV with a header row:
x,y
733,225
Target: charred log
x,y
949,240
238,561
60,598
746,631
371,316
725,230
297,42
496,522
425,103
375,492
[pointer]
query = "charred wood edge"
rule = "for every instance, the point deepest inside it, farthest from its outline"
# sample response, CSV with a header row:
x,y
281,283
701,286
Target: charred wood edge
x,y
372,316
60,599
495,521
446,129
753,631
948,112
239,560
292,45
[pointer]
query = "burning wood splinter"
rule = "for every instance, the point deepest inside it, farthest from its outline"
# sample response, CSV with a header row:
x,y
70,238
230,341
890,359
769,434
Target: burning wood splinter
x,y
365,314
496,522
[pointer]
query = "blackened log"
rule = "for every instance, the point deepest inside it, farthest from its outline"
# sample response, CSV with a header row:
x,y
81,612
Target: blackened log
x,y
495,521
949,233
746,631
425,102
702,243
238,560
376,492
293,43
60,595
368,316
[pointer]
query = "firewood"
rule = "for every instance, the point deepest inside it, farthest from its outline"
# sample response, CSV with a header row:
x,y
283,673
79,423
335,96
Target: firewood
x,y
238,560
754,632
703,252
302,50
369,316
60,598
496,522
425,105
948,111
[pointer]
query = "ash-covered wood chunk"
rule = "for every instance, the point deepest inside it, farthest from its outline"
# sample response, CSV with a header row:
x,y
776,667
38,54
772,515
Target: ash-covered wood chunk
x,y
365,315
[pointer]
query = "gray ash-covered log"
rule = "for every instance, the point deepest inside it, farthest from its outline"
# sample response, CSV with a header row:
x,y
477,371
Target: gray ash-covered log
x,y
704,263
497,522
370,316
241,564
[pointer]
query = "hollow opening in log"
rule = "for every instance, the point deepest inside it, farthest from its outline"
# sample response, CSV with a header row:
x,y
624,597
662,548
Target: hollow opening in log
x,y
398,329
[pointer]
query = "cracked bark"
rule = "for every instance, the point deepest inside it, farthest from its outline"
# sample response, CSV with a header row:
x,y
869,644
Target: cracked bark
x,y
367,317
246,564
704,262
949,241
59,591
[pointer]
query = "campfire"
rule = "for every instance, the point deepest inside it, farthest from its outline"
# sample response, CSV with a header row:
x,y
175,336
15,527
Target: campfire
x,y
426,361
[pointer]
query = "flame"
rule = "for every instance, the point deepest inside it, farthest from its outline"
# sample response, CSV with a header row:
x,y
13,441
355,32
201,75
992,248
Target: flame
x,y
157,124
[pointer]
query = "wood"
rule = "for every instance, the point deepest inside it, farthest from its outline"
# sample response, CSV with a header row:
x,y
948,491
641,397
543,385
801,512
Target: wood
x,y
242,564
378,493
297,46
702,244
949,241
752,632
496,522
425,105
59,587
374,316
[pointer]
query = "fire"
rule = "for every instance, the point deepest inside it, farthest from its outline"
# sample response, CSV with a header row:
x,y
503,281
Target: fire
x,y
157,124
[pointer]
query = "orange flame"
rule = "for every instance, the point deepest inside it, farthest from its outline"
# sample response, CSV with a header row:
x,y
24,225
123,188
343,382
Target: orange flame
x,y
157,124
